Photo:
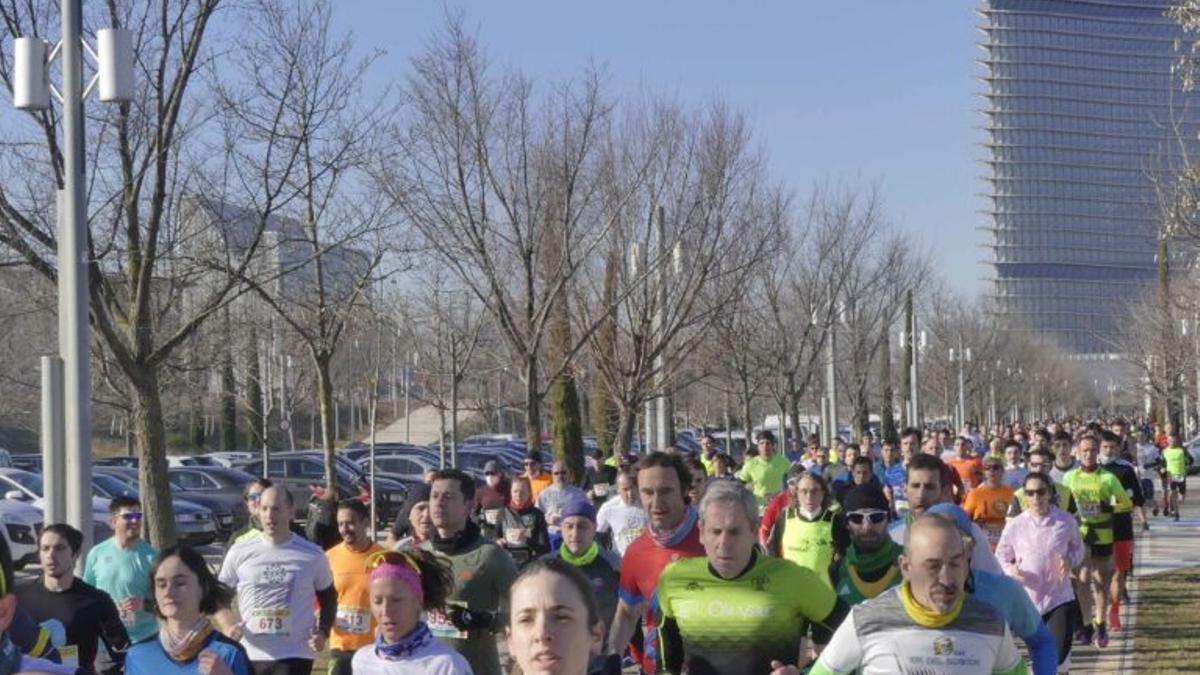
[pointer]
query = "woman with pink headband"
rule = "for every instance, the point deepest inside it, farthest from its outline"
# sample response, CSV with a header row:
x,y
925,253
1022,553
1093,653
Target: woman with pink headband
x,y
403,584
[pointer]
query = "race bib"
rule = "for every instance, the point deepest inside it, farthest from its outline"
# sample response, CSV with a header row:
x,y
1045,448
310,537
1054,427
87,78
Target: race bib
x,y
354,620
440,626
600,489
70,656
491,516
270,621
1089,509
516,535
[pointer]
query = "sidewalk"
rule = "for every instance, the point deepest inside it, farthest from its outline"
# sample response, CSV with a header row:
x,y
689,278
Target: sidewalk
x,y
1167,546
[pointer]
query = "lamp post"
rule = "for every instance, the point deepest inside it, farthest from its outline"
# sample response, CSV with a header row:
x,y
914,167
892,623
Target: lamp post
x,y
963,356
113,61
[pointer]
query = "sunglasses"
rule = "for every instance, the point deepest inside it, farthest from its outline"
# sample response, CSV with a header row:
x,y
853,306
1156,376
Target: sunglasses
x,y
992,467
253,496
391,558
131,516
860,517
1037,492
490,473
558,473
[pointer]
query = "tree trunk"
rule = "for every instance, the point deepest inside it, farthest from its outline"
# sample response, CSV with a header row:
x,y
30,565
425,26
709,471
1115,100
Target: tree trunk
x,y
150,440
626,423
325,393
793,408
747,419
887,417
254,397
228,404
533,404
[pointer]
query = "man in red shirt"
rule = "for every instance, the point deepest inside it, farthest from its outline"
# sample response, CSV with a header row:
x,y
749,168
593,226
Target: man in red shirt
x,y
671,534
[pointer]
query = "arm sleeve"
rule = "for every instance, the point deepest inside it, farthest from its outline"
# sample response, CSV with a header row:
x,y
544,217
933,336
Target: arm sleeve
x,y
327,599
89,568
627,588
1043,651
31,638
841,535
1121,500
228,573
504,576
1075,548
1138,497
1005,555
113,632
982,557
1008,659
843,654
670,644
822,630
539,539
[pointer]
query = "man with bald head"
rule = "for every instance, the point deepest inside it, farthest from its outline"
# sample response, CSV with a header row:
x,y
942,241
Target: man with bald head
x,y
929,622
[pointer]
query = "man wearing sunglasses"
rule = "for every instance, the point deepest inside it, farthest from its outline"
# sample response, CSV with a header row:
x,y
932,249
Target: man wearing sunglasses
x,y
538,479
120,566
552,499
988,503
871,564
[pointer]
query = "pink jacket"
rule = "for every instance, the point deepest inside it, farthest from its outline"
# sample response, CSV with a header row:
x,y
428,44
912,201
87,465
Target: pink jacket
x,y
1031,550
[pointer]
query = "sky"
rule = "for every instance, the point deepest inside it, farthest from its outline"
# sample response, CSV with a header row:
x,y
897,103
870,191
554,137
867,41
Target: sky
x,y
869,92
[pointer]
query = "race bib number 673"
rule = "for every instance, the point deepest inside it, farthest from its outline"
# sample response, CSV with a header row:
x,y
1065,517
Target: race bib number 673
x,y
270,621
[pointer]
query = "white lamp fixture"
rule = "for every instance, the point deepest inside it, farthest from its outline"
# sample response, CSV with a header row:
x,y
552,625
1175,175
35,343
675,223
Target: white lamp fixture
x,y
31,74
114,54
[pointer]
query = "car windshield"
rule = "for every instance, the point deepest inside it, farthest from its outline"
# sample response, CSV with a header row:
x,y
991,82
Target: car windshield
x,y
30,481
113,487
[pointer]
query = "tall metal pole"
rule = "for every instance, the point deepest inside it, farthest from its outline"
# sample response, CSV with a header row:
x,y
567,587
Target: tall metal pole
x,y
662,411
962,403
913,376
73,329
453,400
53,459
407,417
728,428
831,382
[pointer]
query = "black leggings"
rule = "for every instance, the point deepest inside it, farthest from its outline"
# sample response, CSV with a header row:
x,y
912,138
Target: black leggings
x,y
1061,623
339,662
282,667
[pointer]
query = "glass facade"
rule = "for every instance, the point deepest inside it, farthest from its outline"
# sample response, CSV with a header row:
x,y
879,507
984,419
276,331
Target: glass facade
x,y
1082,113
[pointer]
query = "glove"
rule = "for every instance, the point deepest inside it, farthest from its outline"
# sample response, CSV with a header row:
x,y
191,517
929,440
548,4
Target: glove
x,y
465,619
58,632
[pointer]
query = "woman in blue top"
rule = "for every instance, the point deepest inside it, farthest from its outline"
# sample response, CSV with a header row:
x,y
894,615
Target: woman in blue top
x,y
185,594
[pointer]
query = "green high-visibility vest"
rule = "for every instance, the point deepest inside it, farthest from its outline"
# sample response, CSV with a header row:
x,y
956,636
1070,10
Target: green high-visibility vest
x,y
809,544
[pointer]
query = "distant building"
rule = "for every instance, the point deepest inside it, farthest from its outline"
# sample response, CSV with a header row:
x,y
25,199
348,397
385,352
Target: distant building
x,y
1081,105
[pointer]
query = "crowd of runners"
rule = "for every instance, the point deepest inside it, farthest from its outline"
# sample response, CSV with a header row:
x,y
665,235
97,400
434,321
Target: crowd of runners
x,y
927,554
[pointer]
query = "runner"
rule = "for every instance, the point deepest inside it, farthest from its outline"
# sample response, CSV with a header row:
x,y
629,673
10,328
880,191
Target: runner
x,y
1040,461
671,533
708,452
522,527
1096,493
579,549
278,576
535,471
482,569
1126,473
185,594
736,611
988,503
861,473
554,624
87,613
871,564
1014,469
120,566
924,490
403,584
354,627
622,519
551,500
1039,548
765,473
809,534
925,622
966,463
413,525
250,494
1176,461
1064,456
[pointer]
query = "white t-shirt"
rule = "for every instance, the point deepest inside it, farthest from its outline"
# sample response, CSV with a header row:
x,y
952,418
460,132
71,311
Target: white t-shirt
x,y
434,658
276,586
625,521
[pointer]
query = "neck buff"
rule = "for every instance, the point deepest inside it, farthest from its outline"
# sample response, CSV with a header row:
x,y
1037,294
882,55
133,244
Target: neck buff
x,y
582,559
183,648
927,617
408,645
884,556
677,535
520,507
458,542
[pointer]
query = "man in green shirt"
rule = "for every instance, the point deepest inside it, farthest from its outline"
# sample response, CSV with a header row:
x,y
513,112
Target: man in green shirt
x,y
736,611
764,474
1176,461
1097,494
482,570
120,566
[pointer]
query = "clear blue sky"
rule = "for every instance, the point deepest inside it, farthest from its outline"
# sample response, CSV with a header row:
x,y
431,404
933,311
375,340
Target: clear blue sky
x,y
871,91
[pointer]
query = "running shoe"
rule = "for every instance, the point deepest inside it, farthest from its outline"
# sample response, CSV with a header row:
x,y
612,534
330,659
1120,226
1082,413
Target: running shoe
x,y
1101,636
1084,635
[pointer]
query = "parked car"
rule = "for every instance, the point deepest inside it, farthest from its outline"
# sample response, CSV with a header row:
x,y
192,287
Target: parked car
x,y
194,524
29,462
304,474
356,454
229,512
119,460
218,488
22,525
406,467
24,486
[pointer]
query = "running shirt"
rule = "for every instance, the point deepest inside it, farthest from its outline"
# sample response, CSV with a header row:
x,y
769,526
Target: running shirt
x,y
125,573
969,470
1096,493
432,658
764,477
643,563
276,587
626,522
889,635
711,625
1126,473
354,626
1177,460
86,612
988,506
148,658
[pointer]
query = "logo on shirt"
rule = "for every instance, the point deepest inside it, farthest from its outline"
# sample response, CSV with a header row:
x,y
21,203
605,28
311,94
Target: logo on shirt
x,y
759,582
275,574
943,646
694,586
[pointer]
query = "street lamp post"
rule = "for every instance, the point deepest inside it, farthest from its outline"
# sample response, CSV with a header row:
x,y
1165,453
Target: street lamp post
x,y
113,60
963,356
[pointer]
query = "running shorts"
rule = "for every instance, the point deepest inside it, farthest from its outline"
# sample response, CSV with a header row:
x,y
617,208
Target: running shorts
x,y
1123,555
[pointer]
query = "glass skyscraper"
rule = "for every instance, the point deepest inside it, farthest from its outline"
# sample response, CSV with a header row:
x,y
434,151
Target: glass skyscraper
x,y
1082,113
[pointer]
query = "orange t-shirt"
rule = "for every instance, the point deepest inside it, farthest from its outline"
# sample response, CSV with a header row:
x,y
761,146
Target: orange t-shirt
x,y
988,506
355,626
970,470
540,483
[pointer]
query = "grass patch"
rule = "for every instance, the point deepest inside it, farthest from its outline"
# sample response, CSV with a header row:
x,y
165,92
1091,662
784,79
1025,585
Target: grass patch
x,y
1167,637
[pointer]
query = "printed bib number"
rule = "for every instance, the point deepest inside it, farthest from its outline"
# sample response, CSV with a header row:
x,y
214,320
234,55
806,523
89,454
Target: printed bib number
x,y
353,620
516,535
492,516
270,621
70,655
600,489
440,626
1089,509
